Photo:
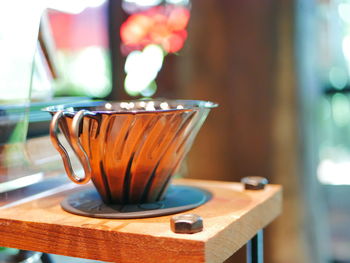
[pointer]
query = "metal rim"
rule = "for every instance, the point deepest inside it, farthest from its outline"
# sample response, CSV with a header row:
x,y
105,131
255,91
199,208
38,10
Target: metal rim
x,y
187,105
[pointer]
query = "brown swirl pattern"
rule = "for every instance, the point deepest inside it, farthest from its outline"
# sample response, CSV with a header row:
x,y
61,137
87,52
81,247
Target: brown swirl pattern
x,y
133,155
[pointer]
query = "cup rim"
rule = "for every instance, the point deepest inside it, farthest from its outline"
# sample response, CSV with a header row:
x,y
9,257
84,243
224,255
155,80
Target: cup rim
x,y
186,105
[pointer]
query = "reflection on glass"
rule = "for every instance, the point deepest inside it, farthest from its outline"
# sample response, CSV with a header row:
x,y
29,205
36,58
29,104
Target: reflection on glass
x,y
164,106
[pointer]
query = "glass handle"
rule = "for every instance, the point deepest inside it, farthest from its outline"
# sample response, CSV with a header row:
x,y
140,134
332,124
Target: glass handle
x,y
76,145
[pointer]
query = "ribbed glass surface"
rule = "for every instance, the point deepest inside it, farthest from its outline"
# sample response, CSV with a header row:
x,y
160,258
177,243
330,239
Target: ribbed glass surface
x,y
134,150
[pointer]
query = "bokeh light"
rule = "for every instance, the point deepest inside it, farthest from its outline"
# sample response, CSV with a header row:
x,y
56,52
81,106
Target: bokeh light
x,y
338,77
340,109
178,2
144,2
86,73
73,7
150,90
344,12
154,29
346,47
162,25
142,68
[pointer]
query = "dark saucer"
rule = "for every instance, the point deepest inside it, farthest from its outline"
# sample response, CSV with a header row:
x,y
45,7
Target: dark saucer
x,y
179,198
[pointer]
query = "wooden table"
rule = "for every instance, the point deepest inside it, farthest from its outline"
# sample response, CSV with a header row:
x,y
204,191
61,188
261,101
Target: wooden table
x,y
231,218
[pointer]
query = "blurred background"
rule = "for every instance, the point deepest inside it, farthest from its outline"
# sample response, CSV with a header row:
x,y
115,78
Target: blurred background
x,y
279,70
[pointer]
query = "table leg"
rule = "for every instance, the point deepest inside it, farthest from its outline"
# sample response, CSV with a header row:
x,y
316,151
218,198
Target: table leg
x,y
255,248
46,258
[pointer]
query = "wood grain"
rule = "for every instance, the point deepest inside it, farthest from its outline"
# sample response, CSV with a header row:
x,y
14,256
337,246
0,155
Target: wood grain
x,y
230,218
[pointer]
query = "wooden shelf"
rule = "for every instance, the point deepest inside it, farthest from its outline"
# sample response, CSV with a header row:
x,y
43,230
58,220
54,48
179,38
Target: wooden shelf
x,y
231,218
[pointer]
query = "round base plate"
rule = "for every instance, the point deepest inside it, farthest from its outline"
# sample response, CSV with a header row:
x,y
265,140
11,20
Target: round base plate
x,y
178,198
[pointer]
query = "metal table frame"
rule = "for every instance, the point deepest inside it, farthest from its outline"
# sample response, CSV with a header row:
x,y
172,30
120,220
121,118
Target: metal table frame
x,y
255,248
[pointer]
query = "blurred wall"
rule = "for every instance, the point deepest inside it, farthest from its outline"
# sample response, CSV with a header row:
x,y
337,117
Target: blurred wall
x,y
241,55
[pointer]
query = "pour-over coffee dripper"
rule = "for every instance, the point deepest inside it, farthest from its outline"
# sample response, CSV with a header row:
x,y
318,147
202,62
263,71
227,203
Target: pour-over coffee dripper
x,y
130,150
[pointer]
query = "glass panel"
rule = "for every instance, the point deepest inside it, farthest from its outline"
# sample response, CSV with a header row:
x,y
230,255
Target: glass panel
x,y
79,32
18,40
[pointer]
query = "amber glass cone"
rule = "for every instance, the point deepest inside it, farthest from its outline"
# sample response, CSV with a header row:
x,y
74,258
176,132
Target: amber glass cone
x,y
131,149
